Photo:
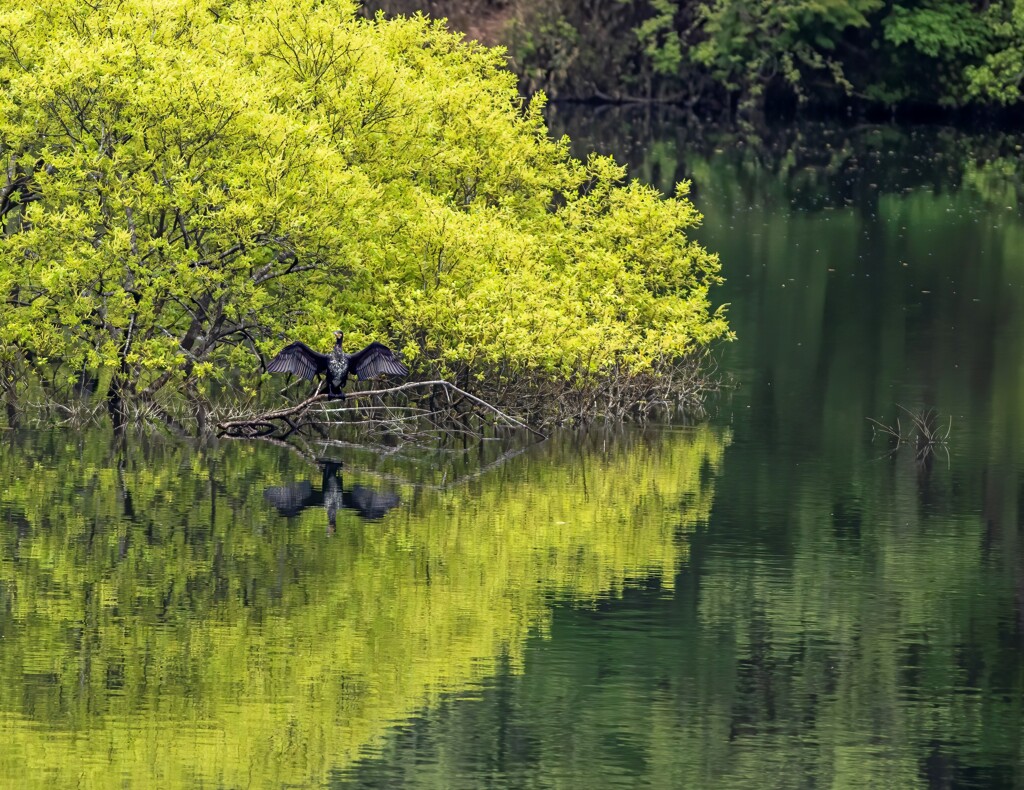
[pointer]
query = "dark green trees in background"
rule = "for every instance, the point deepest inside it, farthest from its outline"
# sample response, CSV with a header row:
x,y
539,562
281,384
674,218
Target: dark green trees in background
x,y
742,53
935,52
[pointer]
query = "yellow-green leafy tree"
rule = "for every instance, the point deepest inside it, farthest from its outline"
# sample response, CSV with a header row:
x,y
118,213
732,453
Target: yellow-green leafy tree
x,y
187,182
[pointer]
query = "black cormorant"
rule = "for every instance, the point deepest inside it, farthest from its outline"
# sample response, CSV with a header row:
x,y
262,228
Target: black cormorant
x,y
292,499
300,359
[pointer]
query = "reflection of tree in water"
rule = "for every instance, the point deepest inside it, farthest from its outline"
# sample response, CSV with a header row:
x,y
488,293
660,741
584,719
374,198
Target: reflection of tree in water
x,y
292,498
831,630
150,603
814,166
855,621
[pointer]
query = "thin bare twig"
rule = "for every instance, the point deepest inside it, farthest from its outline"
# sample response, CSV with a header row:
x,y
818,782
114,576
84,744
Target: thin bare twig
x,y
924,431
293,417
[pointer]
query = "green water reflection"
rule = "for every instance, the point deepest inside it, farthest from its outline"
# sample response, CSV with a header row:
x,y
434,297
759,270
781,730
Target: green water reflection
x,y
161,625
851,617
847,635
774,600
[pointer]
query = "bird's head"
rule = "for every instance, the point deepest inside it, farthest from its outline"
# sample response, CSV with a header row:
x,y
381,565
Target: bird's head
x,y
338,335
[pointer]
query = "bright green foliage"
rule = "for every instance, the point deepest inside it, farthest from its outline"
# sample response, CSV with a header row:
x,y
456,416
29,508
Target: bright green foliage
x,y
936,30
928,51
999,77
747,44
661,42
924,51
190,180
164,627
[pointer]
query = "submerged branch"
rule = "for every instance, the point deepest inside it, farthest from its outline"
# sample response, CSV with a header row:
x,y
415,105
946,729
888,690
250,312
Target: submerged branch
x,y
451,388
925,432
280,423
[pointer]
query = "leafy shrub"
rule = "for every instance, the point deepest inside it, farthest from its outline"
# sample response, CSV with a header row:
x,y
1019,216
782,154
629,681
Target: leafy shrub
x,y
189,182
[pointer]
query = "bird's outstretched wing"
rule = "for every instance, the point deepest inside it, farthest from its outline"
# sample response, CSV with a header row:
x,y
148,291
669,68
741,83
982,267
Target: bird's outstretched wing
x,y
375,359
300,359
371,504
292,498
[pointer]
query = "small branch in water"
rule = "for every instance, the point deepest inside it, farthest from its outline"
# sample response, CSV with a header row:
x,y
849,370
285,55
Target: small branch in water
x,y
449,387
893,431
255,425
283,422
926,433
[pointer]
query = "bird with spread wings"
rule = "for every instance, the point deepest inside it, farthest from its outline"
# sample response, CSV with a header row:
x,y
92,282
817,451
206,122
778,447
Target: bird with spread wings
x,y
374,360
368,503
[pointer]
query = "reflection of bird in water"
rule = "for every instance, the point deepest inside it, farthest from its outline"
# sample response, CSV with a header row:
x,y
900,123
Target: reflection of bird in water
x,y
300,359
293,498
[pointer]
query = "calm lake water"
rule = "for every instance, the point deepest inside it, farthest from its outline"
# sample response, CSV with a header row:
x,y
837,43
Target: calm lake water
x,y
779,598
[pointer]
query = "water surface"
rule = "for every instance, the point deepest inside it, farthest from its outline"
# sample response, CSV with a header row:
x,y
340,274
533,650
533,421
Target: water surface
x,y
779,598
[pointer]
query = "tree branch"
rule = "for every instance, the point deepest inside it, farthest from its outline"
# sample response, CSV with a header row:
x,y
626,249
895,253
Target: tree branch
x,y
254,424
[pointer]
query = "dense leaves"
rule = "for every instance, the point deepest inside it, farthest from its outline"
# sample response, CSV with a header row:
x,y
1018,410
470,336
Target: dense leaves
x,y
188,182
